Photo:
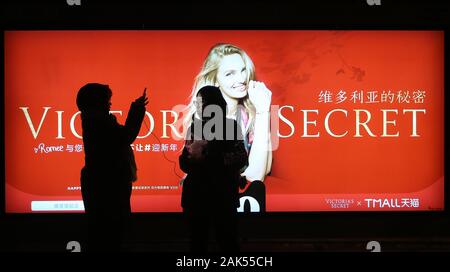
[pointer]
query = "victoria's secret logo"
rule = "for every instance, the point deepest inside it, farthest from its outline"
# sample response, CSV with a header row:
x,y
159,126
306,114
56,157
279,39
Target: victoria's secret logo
x,y
316,123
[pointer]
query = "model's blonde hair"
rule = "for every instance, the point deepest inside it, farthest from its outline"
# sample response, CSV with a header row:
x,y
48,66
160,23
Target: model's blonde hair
x,y
208,76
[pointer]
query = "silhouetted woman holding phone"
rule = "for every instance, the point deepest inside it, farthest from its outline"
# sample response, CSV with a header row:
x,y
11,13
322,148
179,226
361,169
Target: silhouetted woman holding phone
x,y
110,168
213,158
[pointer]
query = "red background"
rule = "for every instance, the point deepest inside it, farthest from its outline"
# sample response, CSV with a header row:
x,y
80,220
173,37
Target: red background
x,y
47,68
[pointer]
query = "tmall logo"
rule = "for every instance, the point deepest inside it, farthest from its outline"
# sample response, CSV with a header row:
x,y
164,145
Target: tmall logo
x,y
73,2
374,2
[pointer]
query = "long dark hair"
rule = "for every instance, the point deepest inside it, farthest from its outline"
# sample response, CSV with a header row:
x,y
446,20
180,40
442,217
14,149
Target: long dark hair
x,y
212,95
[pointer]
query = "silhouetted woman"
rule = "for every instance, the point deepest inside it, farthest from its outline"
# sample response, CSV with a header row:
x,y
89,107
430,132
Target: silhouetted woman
x,y
213,158
110,167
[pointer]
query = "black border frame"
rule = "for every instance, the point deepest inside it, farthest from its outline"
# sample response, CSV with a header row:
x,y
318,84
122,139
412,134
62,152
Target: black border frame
x,y
254,15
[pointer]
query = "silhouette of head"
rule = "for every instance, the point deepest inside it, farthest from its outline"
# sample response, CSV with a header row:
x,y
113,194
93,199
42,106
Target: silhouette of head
x,y
211,95
94,97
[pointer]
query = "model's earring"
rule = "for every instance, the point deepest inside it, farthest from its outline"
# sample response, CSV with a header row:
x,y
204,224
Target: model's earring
x,y
216,84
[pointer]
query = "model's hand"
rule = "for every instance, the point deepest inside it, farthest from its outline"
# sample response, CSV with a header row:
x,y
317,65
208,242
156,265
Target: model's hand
x,y
142,100
259,95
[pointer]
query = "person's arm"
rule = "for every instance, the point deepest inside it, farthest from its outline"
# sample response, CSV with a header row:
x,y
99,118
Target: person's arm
x,y
185,162
134,120
260,157
193,156
235,158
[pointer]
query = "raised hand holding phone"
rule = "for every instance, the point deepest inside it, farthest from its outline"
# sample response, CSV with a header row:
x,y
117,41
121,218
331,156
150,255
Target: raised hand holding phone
x,y
142,100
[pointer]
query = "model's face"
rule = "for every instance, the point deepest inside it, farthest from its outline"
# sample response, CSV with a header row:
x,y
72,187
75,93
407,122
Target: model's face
x,y
232,76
